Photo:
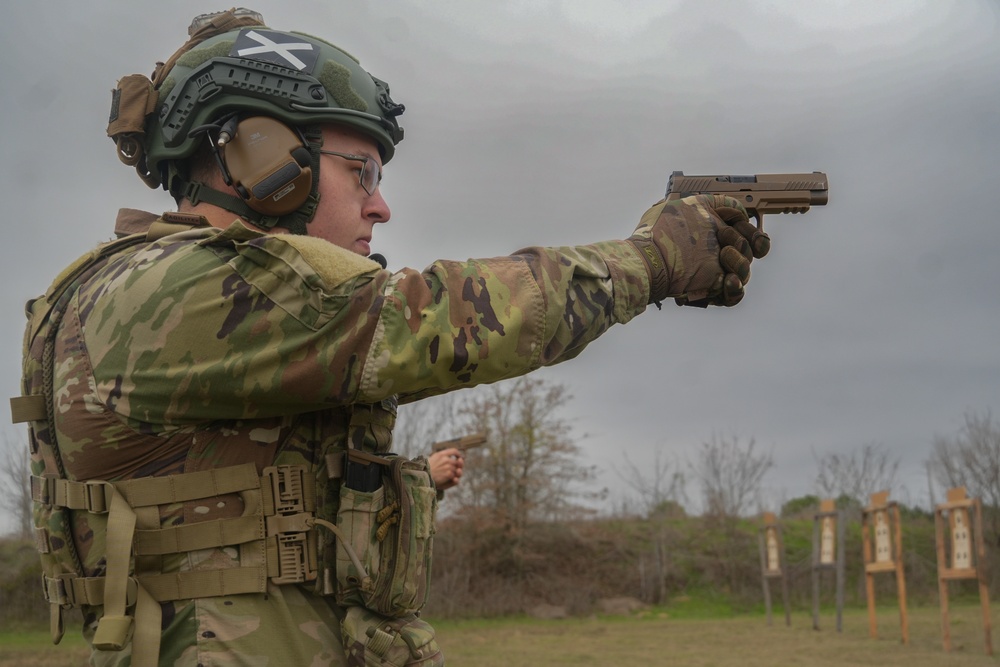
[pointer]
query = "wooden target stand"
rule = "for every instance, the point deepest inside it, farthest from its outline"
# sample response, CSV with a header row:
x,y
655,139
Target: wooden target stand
x,y
772,563
887,556
828,554
964,530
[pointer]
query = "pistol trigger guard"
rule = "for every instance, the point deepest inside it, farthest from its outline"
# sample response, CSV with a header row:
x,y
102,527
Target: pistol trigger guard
x,y
759,217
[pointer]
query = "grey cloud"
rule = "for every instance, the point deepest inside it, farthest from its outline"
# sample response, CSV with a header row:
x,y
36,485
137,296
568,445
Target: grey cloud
x,y
874,319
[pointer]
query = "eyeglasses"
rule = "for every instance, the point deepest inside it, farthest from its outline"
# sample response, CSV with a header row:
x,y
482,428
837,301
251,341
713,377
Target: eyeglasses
x,y
371,172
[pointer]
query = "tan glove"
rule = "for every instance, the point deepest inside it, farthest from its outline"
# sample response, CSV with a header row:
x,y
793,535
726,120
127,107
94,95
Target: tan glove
x,y
698,250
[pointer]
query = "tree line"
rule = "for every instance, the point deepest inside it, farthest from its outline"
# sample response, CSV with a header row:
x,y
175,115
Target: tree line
x,y
521,527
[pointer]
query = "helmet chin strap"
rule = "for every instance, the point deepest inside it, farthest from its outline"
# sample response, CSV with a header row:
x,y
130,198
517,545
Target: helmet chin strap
x,y
295,222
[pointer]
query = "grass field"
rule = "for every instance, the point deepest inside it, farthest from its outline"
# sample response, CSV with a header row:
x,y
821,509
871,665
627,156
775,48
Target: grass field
x,y
730,642
655,639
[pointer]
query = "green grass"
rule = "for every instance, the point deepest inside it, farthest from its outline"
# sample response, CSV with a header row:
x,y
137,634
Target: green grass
x,y
25,639
745,641
697,606
34,648
655,638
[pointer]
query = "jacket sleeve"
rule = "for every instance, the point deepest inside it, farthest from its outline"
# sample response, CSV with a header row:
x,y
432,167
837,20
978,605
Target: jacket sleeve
x,y
459,324
241,325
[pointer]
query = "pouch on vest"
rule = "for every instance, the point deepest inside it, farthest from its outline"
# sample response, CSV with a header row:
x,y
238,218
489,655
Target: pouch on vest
x,y
390,529
372,640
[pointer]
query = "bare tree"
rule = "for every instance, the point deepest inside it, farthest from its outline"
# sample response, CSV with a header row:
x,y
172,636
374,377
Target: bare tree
x,y
15,488
971,458
660,489
858,474
657,486
530,469
730,475
421,424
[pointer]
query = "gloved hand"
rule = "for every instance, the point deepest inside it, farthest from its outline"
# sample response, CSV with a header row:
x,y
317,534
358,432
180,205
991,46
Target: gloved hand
x,y
698,250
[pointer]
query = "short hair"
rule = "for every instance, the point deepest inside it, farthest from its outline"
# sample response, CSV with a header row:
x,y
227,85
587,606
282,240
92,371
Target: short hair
x,y
201,166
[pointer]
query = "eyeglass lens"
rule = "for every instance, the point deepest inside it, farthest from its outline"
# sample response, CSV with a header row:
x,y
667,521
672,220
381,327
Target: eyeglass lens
x,y
371,176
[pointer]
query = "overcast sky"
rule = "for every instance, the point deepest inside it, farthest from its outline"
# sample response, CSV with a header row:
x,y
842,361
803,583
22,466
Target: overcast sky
x,y
873,320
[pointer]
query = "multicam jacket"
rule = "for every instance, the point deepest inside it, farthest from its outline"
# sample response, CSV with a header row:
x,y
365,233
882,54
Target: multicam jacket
x,y
208,349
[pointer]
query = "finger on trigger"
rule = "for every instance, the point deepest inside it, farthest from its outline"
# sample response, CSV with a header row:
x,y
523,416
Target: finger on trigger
x,y
726,202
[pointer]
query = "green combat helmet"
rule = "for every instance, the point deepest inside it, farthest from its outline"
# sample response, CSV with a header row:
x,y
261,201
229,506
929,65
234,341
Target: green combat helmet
x,y
233,68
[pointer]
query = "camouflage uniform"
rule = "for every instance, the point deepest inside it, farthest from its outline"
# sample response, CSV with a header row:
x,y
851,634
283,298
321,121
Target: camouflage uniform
x,y
212,348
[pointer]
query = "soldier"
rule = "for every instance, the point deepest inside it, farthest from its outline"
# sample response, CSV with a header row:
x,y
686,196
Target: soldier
x,y
211,397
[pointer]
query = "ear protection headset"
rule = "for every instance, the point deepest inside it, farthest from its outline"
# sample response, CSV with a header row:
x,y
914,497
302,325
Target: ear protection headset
x,y
266,162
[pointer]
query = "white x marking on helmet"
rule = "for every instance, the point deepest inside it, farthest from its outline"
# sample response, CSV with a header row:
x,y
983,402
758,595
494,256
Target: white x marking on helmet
x,y
283,50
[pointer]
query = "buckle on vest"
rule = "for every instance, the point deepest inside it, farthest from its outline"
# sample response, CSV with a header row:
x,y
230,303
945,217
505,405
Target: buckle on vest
x,y
290,529
95,496
295,560
287,488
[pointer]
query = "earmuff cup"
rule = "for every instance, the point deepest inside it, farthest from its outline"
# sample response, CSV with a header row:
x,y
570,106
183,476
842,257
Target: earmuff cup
x,y
269,165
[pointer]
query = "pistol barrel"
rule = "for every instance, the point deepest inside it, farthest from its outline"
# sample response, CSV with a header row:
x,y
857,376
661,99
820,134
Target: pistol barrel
x,y
760,193
462,443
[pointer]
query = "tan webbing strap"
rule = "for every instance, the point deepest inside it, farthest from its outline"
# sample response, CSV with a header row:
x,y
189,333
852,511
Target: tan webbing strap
x,y
56,623
89,496
146,491
148,621
27,409
74,591
189,486
204,535
205,583
55,591
133,531
148,614
147,519
115,627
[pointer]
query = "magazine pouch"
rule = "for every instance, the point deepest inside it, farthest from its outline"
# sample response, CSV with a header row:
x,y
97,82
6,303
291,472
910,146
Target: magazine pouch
x,y
385,536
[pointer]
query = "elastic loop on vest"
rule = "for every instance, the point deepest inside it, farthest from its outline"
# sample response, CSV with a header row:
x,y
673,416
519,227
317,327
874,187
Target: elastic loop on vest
x,y
27,409
379,641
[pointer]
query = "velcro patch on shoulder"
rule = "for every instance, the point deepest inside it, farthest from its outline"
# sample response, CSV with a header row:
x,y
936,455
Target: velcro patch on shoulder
x,y
333,264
